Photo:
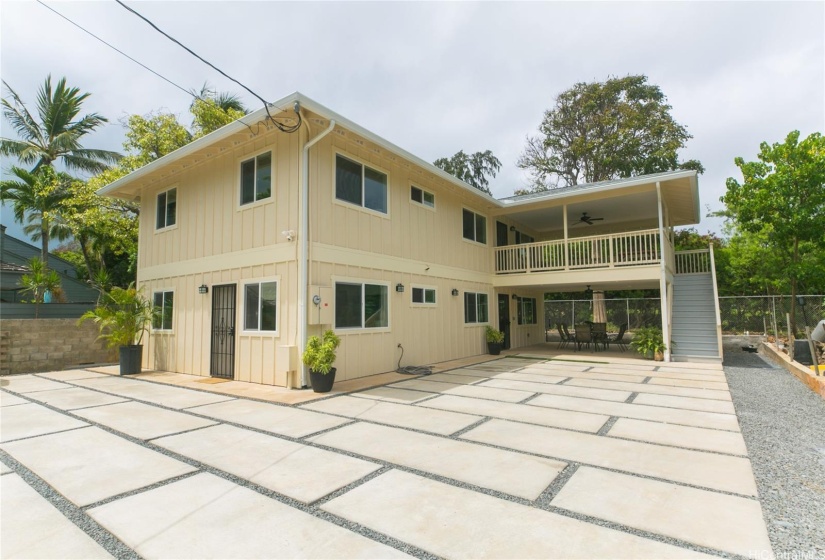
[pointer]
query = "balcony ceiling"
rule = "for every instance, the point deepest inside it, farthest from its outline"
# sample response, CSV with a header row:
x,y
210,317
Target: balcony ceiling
x,y
620,213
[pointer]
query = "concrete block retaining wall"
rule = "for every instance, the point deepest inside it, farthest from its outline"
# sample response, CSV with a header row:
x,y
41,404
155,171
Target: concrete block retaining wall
x,y
32,345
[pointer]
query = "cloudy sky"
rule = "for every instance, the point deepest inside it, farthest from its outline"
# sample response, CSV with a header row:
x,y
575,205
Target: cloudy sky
x,y
438,77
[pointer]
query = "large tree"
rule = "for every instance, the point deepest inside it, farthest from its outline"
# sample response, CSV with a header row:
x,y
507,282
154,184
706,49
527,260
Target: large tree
x,y
58,133
36,198
474,169
781,199
605,130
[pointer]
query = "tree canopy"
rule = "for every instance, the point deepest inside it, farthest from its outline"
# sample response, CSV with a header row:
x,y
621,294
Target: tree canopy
x,y
474,169
605,130
58,134
780,206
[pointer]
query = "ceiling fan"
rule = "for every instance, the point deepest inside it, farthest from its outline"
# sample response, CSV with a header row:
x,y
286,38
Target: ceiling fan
x,y
588,220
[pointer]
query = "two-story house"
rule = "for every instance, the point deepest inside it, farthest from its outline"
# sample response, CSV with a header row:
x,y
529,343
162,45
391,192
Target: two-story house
x,y
256,236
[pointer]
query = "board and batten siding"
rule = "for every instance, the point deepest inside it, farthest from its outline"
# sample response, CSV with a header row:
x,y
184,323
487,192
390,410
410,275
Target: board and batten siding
x,y
217,241
186,349
408,230
428,334
210,220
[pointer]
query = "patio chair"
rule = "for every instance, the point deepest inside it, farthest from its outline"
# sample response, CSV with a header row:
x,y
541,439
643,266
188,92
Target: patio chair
x,y
569,336
564,336
583,336
619,338
598,333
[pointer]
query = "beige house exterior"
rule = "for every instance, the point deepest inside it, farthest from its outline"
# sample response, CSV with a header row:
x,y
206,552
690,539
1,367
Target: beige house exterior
x,y
252,239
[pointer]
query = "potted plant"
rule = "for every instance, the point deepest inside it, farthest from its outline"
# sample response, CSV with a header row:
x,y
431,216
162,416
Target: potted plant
x,y
495,340
122,316
319,356
650,343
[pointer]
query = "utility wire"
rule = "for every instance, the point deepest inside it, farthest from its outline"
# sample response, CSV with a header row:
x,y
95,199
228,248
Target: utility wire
x,y
187,92
193,53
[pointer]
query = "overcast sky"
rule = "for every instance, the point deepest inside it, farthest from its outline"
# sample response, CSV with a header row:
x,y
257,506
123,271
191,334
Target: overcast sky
x,y
435,77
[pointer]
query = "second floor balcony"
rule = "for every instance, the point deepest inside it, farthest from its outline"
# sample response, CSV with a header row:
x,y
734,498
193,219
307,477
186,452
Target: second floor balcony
x,y
615,250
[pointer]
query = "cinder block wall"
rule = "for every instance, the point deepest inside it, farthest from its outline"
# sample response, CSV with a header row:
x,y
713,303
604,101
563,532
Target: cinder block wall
x,y
32,345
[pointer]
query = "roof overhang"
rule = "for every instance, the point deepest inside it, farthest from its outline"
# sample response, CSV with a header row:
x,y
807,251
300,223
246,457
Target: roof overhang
x,y
684,181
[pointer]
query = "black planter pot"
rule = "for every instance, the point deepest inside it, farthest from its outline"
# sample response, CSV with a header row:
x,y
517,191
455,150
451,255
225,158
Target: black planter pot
x,y
322,382
131,359
494,348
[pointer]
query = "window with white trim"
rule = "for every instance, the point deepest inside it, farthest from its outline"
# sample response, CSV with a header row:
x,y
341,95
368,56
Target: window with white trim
x,y
164,305
474,226
423,296
260,306
526,311
475,307
360,185
361,306
256,178
425,198
167,208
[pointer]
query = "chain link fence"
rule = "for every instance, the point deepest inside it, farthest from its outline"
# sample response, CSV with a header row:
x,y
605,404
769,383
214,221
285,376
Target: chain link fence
x,y
636,312
765,315
762,315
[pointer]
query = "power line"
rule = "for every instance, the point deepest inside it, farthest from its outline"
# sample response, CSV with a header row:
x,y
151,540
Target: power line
x,y
193,53
187,92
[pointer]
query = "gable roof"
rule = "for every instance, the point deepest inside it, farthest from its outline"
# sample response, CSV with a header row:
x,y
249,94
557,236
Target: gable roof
x,y
117,188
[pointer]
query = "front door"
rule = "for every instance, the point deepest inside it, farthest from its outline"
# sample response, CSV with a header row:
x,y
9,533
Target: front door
x,y
223,331
504,318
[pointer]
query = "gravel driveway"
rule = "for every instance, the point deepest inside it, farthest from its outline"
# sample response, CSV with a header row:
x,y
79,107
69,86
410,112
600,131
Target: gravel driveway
x,y
783,423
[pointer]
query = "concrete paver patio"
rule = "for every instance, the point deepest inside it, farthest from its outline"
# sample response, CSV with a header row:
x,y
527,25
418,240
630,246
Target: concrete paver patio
x,y
510,458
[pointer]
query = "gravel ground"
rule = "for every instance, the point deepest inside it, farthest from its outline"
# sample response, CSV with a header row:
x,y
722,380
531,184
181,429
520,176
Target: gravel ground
x,y
783,423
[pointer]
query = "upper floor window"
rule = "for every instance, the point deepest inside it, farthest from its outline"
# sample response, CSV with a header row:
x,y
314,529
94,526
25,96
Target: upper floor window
x,y
261,306
164,304
526,311
475,226
422,197
360,185
475,308
364,306
167,209
256,178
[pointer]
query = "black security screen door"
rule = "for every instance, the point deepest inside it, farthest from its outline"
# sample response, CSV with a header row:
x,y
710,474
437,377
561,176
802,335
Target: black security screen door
x,y
223,331
504,318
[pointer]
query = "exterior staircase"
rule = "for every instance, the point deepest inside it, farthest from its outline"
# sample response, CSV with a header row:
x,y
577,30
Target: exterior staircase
x,y
695,331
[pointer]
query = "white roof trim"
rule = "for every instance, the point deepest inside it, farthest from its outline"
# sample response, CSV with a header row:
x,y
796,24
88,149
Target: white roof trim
x,y
315,107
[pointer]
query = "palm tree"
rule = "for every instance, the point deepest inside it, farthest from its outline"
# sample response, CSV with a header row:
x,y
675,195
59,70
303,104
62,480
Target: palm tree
x,y
212,109
57,136
36,198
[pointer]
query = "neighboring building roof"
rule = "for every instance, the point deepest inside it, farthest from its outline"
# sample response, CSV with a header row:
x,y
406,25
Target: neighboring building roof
x,y
9,267
14,254
117,188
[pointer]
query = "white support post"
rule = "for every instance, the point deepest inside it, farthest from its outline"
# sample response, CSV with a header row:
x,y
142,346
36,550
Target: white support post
x,y
564,213
663,284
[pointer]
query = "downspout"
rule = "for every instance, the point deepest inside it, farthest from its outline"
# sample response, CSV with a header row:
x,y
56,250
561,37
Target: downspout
x,y
664,300
303,243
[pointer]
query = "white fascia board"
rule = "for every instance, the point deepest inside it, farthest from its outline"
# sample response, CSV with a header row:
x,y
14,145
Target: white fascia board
x,y
315,107
616,185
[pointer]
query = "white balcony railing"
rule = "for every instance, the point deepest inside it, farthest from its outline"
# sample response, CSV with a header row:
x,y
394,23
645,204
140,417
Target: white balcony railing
x,y
599,251
693,262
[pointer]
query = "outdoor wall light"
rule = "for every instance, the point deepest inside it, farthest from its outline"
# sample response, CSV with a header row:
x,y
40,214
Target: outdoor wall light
x,y
515,296
203,289
512,228
399,287
454,292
